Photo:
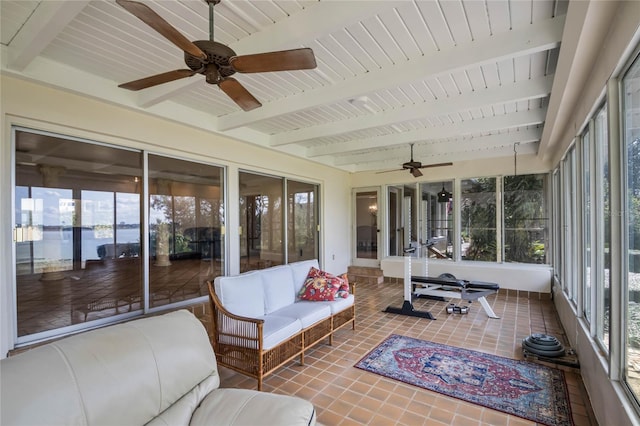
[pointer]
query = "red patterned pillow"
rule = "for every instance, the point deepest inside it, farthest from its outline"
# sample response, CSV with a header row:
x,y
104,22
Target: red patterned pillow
x,y
343,291
319,289
317,280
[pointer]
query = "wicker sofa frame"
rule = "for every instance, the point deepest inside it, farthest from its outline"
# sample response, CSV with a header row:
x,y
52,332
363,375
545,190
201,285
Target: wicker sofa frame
x,y
243,351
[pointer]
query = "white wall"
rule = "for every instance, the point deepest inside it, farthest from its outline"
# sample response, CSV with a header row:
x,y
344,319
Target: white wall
x,y
43,108
535,278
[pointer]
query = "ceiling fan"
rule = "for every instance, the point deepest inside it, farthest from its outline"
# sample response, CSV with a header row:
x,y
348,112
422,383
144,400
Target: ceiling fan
x,y
216,61
415,166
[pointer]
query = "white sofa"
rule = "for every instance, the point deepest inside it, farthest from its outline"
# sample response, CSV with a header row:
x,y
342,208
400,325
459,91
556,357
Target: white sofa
x,y
158,371
260,323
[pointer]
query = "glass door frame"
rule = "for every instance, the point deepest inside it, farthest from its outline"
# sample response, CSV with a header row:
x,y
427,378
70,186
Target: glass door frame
x,y
377,212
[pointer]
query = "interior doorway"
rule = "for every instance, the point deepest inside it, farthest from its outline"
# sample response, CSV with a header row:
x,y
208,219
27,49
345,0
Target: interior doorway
x,y
367,230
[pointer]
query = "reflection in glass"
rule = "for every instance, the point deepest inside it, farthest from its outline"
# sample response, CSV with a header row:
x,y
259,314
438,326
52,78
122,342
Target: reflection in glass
x,y
586,220
437,216
261,221
70,221
404,236
631,146
603,227
302,221
525,219
367,225
186,222
478,219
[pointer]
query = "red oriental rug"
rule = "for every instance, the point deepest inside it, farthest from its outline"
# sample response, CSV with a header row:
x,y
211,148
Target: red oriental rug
x,y
524,389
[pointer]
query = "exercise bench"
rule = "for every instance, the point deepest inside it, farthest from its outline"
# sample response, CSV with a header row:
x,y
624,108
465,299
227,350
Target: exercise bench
x,y
446,286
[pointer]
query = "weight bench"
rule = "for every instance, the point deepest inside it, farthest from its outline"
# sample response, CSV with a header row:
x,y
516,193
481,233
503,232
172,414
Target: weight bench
x,y
446,286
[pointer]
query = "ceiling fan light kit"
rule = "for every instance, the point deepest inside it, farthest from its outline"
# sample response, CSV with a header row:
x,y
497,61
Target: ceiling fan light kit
x,y
444,196
216,61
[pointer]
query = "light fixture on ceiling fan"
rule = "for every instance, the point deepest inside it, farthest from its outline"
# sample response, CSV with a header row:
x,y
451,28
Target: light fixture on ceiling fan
x,y
444,196
216,61
415,166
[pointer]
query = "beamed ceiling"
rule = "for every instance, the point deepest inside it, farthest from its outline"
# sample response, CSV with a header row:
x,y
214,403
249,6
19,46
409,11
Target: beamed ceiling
x,y
459,79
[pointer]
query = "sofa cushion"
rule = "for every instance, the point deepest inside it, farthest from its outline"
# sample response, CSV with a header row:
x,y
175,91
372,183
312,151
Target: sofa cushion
x,y
277,329
337,305
278,288
242,294
300,271
307,312
230,407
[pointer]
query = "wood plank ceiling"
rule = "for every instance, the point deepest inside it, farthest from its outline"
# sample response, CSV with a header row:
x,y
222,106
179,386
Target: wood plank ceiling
x,y
460,79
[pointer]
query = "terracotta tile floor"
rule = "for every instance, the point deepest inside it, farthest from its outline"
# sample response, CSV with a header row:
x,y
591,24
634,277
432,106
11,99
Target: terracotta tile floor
x,y
345,395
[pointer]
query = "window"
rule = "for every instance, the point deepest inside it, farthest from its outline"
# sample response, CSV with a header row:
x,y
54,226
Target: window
x,y
603,227
631,199
525,219
478,219
569,228
186,222
261,221
587,252
557,225
78,232
437,219
302,221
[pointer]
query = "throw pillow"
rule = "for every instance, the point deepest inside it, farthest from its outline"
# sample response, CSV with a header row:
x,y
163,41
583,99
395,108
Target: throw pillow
x,y
343,291
342,282
319,289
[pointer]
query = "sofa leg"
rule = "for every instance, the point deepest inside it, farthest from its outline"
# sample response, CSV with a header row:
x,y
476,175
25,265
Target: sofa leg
x,y
260,383
302,358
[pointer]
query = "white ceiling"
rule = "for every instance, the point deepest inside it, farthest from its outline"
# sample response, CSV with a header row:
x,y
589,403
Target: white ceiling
x,y
461,79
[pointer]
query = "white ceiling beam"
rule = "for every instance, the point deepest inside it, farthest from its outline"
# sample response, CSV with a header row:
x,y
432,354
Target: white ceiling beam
x,y
437,149
44,25
154,95
536,37
514,92
489,124
309,24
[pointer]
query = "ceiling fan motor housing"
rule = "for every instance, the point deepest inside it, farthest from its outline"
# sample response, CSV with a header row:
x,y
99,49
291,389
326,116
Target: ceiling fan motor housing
x,y
412,165
217,54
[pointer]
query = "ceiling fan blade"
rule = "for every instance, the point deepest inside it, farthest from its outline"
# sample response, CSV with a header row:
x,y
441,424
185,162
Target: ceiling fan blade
x,y
155,21
239,94
435,165
389,171
154,80
285,60
416,172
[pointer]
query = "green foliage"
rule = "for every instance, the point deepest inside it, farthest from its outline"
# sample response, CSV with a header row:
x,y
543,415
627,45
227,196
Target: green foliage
x,y
524,218
634,325
524,214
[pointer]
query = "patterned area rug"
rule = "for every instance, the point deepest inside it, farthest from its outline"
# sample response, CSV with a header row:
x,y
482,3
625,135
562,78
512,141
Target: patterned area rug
x,y
524,389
